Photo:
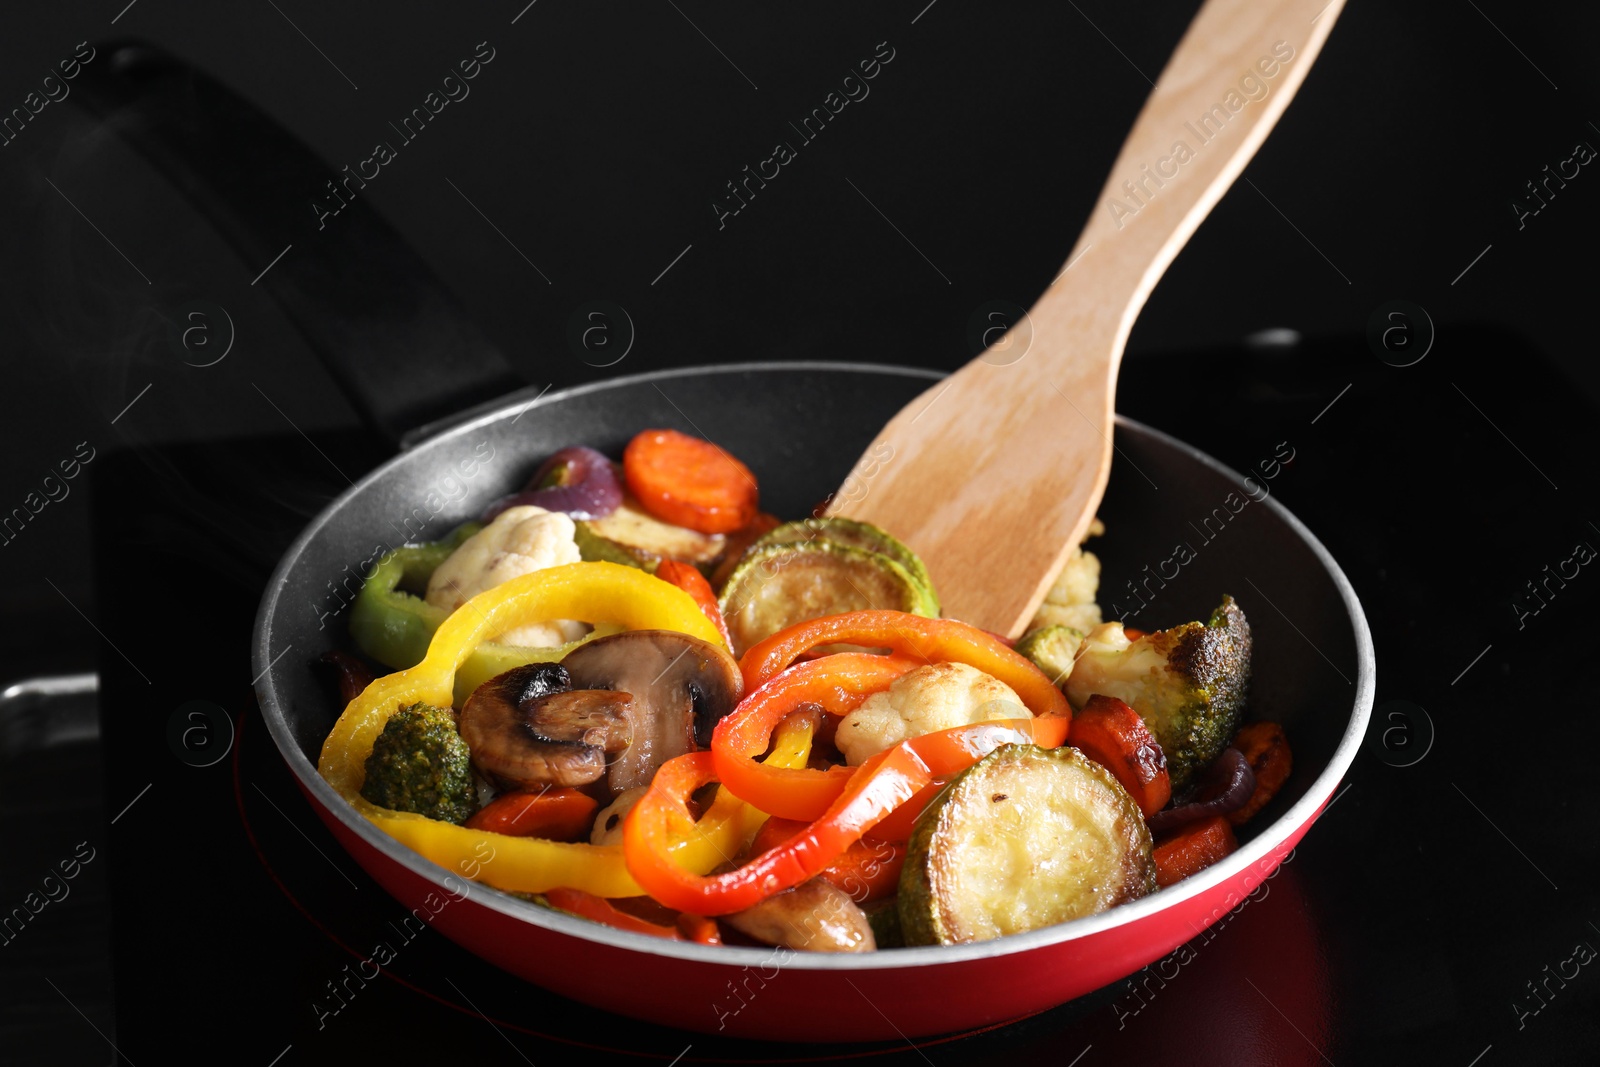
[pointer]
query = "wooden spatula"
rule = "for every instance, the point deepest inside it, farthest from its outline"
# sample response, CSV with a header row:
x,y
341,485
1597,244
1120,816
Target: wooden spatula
x,y
994,474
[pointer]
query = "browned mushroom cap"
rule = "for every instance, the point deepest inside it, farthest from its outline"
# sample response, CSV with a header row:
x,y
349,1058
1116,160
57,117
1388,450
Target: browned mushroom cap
x,y
528,727
681,686
814,916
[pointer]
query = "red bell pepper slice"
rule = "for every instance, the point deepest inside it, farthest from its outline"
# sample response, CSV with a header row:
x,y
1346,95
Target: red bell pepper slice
x,y
869,870
691,581
601,910
686,927
898,824
880,785
699,929
885,782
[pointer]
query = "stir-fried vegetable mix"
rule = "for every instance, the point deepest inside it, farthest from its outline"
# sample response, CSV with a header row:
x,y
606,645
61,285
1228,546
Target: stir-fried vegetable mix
x,y
652,705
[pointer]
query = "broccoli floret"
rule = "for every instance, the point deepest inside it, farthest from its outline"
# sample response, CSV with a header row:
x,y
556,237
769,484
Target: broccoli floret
x,y
419,763
1187,683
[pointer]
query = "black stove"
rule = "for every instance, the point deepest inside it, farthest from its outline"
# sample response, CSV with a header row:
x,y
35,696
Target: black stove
x,y
167,895
239,925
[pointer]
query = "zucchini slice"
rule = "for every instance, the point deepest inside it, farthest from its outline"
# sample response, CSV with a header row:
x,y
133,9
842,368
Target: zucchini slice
x,y
884,918
779,585
853,534
1024,838
648,539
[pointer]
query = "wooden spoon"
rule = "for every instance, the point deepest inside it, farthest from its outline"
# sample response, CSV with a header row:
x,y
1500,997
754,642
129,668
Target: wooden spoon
x,y
994,474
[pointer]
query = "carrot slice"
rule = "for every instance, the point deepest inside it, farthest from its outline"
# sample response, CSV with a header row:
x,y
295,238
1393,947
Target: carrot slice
x,y
691,581
1114,736
1192,849
1267,750
868,870
556,814
689,482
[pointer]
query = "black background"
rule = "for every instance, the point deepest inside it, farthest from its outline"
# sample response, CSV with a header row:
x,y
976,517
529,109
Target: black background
x,y
596,142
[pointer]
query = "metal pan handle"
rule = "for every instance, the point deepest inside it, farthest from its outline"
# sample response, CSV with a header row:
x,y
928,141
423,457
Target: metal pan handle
x,y
397,342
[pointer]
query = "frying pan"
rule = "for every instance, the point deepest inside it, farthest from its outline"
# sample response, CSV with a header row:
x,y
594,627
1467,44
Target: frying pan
x,y
798,426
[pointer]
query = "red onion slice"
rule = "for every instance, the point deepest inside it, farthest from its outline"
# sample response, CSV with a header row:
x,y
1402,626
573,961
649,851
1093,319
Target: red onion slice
x,y
578,482
1226,787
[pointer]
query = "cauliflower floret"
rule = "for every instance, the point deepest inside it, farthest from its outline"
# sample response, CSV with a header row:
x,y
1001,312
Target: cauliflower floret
x,y
1071,599
519,540
921,701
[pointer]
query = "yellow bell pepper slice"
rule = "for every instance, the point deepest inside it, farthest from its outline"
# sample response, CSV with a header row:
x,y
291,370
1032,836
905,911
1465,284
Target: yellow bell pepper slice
x,y
605,594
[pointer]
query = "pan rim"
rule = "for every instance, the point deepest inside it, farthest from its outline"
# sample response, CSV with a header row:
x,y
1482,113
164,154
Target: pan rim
x,y
1299,817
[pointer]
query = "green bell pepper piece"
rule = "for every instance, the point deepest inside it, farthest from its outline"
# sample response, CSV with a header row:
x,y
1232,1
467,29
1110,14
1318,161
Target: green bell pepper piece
x,y
388,623
395,627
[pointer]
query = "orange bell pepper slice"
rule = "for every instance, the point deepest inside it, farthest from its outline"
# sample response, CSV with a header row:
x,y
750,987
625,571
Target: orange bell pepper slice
x,y
928,640
836,684
691,581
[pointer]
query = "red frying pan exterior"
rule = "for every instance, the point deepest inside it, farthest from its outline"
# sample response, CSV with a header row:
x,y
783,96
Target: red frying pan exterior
x,y
773,1001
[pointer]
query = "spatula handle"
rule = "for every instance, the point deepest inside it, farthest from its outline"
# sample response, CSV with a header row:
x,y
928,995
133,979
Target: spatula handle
x,y
1233,73
1020,439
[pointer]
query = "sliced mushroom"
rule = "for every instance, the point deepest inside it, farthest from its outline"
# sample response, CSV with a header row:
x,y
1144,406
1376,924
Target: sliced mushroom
x,y
594,717
814,916
681,686
528,728
535,680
